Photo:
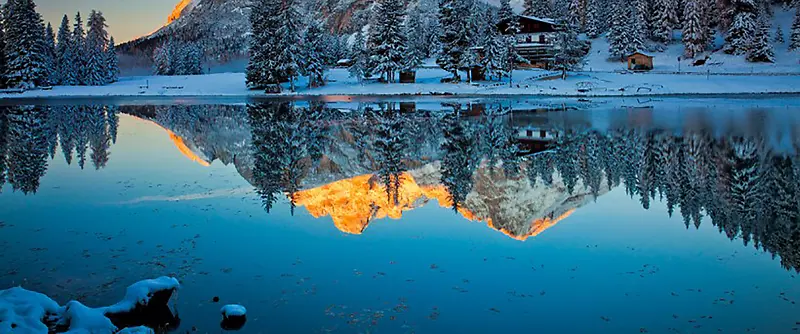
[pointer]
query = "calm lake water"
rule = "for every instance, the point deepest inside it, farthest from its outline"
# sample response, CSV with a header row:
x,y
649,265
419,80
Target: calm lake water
x,y
415,216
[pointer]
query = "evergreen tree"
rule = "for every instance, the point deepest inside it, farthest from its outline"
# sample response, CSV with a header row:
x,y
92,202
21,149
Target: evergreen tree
x,y
761,48
568,55
508,19
511,58
65,68
164,58
95,50
387,39
360,58
50,55
416,48
538,8
662,21
262,69
24,49
794,38
779,35
740,34
78,52
288,41
112,62
693,39
493,50
313,64
3,66
453,36
594,18
577,14
619,39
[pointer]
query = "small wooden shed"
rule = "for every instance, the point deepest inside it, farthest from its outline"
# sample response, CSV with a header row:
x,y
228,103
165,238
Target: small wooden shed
x,y
408,76
638,61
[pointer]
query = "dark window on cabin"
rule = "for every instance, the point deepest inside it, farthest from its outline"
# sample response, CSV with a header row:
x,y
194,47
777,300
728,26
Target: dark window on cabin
x,y
542,134
529,133
541,38
633,61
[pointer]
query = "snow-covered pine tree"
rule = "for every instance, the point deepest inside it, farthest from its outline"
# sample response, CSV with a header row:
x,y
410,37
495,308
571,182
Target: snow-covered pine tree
x,y
416,46
594,18
761,48
507,18
577,14
568,55
95,50
288,41
78,52
262,69
638,25
313,63
360,58
512,58
794,37
190,59
65,68
50,55
163,58
693,40
24,30
112,62
779,35
740,33
494,51
619,37
662,21
3,79
538,8
387,38
453,36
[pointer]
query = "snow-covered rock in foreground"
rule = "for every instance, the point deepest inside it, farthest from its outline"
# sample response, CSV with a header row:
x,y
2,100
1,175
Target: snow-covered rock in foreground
x,y
233,310
23,311
137,330
82,319
140,293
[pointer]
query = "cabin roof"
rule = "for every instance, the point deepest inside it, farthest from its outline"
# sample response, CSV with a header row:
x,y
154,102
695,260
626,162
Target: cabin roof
x,y
639,53
539,19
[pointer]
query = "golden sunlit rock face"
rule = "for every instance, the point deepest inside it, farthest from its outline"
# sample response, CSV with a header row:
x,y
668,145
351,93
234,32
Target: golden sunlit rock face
x,y
176,13
353,203
185,150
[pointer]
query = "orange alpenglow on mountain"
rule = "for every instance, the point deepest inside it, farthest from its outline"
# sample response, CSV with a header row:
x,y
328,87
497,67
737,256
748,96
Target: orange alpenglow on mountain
x,y
185,150
176,13
352,203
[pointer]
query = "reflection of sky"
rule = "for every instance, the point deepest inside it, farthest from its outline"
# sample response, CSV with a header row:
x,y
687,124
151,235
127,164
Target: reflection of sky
x,y
288,270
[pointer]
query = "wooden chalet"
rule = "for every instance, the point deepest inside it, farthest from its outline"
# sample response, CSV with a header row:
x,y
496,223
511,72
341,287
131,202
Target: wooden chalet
x,y
638,61
536,40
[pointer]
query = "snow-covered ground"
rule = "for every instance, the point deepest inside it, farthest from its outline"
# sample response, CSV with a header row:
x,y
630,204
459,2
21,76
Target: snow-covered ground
x,y
526,82
717,63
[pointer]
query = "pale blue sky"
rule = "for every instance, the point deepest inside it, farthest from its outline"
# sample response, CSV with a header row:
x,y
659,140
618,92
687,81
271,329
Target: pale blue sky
x,y
127,19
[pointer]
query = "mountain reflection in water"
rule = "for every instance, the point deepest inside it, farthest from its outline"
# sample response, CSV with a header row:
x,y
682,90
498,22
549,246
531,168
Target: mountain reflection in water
x,y
520,172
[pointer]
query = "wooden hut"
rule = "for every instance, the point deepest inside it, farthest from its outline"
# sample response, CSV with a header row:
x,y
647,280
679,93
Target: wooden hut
x,y
638,61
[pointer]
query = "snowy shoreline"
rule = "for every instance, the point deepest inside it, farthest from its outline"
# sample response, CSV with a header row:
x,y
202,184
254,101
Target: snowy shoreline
x,y
527,83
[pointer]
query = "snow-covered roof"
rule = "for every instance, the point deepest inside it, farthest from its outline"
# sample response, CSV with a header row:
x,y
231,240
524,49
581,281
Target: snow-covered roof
x,y
545,20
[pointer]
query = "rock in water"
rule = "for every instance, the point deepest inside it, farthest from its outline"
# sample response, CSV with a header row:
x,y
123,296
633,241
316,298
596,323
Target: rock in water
x,y
233,317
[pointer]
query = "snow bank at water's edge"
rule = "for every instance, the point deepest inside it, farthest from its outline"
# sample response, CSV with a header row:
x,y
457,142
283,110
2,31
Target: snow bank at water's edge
x,y
32,312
